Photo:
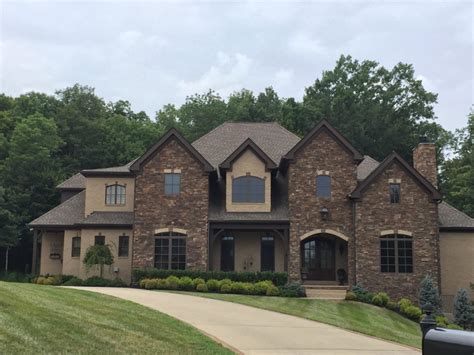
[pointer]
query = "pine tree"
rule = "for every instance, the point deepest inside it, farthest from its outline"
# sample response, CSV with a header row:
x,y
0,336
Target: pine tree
x,y
429,293
463,311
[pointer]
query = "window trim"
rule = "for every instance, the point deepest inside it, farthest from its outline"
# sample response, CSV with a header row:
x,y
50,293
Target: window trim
x,y
121,237
73,248
330,185
173,184
115,195
170,236
396,238
393,202
247,192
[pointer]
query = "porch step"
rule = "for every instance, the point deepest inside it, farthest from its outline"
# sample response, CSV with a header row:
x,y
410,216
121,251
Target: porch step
x,y
334,287
326,294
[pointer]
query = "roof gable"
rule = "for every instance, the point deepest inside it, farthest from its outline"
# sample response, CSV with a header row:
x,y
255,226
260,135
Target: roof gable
x,y
249,144
394,157
324,126
172,133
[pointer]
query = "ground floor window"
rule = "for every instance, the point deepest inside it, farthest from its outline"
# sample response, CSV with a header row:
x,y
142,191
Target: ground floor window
x,y
170,251
76,247
267,253
123,246
227,253
396,253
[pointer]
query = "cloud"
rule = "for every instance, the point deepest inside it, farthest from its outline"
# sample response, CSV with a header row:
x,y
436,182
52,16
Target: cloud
x,y
302,43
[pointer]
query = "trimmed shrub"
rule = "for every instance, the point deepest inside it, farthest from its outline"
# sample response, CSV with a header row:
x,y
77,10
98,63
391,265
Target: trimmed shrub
x,y
226,288
277,278
380,299
96,281
442,321
75,281
429,293
262,287
143,283
213,285
351,296
273,291
162,284
40,280
393,306
237,287
403,304
225,282
49,281
413,313
186,284
454,326
117,282
173,282
12,276
363,295
462,310
292,289
201,287
198,281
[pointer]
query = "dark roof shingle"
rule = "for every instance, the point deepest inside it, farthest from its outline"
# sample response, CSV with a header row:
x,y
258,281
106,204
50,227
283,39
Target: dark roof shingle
x,y
451,217
75,182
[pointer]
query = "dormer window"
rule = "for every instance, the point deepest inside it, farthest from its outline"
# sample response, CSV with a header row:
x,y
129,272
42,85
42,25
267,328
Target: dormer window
x,y
248,189
394,193
323,186
115,194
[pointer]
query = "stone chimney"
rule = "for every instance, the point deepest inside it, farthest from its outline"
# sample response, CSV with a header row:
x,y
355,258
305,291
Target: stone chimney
x,y
424,160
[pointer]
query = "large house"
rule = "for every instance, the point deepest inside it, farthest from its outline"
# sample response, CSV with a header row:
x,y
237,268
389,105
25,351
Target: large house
x,y
254,196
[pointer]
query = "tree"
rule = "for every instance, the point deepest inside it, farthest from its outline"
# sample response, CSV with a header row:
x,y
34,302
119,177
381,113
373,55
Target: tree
x,y
377,109
268,106
429,293
241,107
463,311
98,255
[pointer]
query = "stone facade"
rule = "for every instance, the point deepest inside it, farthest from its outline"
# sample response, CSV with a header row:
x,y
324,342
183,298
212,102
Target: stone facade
x,y
416,213
424,160
326,154
188,210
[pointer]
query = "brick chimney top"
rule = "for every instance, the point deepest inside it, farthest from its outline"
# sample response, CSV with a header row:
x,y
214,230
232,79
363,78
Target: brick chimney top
x,y
424,160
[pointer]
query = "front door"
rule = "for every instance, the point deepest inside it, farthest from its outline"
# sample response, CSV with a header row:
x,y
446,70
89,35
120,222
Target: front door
x,y
318,259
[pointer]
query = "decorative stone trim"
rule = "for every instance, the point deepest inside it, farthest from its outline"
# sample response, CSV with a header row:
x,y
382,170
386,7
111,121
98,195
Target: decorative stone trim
x,y
394,181
171,229
322,172
396,231
326,231
169,171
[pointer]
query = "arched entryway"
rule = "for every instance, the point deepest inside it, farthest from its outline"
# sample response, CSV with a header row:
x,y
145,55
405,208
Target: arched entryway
x,y
324,257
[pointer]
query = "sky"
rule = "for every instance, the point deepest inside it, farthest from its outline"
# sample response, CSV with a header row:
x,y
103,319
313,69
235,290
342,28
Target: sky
x,y
153,53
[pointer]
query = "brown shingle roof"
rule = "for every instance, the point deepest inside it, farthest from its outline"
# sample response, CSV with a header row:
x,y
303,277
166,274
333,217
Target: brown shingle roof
x,y
366,166
222,141
75,182
450,217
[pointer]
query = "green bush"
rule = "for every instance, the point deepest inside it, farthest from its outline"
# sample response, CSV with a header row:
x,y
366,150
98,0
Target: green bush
x,y
96,281
380,299
173,282
273,291
226,288
117,282
261,287
225,282
12,276
143,282
393,306
40,280
49,281
429,293
454,326
186,284
277,278
75,281
403,304
442,321
198,281
248,288
351,296
292,289
363,295
162,284
413,313
237,287
213,285
201,287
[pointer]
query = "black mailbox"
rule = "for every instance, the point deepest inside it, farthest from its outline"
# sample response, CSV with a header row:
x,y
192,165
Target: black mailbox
x,y
440,341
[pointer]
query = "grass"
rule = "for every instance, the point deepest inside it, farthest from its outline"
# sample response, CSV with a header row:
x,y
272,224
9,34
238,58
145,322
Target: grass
x,y
48,319
359,317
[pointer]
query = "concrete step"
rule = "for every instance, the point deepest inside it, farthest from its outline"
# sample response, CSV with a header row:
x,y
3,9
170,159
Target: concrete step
x,y
326,287
325,294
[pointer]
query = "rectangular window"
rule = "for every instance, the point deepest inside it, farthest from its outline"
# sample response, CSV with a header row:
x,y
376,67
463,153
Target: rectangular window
x,y
172,184
394,193
170,251
76,247
396,254
115,195
227,253
323,186
99,240
267,255
248,189
123,246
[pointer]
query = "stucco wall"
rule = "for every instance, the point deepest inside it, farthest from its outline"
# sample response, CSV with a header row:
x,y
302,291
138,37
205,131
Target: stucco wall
x,y
457,265
248,164
51,242
95,194
71,264
247,249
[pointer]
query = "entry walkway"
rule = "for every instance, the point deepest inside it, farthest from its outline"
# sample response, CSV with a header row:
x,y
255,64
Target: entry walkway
x,y
257,331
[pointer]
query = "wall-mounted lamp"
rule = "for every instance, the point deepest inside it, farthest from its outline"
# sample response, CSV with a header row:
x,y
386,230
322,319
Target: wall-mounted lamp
x,y
324,213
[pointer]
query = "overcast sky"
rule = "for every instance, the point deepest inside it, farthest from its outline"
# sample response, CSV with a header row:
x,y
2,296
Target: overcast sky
x,y
154,53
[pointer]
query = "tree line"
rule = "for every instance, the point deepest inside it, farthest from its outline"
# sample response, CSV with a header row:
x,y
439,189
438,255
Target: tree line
x,y
44,139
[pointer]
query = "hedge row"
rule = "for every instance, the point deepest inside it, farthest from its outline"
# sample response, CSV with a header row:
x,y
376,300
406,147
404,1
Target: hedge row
x,y
277,278
69,280
185,283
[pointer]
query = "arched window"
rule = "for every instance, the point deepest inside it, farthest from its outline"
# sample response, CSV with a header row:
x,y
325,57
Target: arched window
x,y
396,253
115,194
323,186
248,189
170,251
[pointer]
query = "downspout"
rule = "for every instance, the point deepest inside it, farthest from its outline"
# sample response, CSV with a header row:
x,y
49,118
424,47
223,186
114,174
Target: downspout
x,y
354,234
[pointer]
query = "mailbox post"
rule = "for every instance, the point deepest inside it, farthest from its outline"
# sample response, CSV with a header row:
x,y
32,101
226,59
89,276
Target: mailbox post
x,y
428,322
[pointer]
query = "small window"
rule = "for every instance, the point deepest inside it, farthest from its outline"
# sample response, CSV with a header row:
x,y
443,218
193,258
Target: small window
x,y
76,247
394,193
172,184
123,246
170,251
248,189
396,254
99,240
115,195
323,186
267,253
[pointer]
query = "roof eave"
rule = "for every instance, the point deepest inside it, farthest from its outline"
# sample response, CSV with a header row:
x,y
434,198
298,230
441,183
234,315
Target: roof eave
x,y
93,173
248,144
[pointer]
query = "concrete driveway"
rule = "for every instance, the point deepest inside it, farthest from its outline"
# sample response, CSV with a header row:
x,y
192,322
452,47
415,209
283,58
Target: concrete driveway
x,y
256,331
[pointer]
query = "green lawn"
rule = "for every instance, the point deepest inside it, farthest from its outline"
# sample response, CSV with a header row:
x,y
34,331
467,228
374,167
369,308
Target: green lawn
x,y
359,317
48,319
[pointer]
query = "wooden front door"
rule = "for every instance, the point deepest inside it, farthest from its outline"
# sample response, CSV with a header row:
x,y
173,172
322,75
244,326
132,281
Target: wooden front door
x,y
318,259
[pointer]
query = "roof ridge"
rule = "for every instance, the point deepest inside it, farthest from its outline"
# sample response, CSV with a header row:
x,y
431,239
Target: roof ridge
x,y
65,203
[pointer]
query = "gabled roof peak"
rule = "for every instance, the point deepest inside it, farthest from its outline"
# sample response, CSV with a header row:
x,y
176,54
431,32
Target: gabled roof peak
x,y
248,144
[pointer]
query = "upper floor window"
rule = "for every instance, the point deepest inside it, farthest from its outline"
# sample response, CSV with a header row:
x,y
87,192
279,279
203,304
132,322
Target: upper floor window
x,y
323,186
394,193
76,247
248,189
115,195
172,184
396,253
99,240
123,245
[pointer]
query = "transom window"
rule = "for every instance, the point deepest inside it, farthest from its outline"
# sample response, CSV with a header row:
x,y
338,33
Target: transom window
x,y
394,193
76,247
170,251
115,195
396,253
172,184
124,241
248,189
323,186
